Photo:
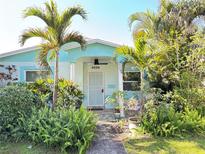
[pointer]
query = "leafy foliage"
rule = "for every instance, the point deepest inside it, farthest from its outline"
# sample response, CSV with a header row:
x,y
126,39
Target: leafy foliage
x,y
172,54
70,129
165,121
175,40
69,95
15,101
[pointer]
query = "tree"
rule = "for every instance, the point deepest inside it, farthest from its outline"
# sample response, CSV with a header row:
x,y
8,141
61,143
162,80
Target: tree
x,y
54,35
139,56
170,33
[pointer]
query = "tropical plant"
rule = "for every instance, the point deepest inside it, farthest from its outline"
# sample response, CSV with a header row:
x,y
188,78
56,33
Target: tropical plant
x,y
54,35
69,94
15,101
72,130
171,33
117,99
163,120
140,57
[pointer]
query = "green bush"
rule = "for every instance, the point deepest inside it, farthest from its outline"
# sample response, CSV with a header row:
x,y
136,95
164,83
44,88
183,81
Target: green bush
x,y
70,129
15,101
188,97
69,94
164,120
193,122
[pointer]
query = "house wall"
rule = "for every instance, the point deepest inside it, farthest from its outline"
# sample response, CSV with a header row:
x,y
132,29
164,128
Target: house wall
x,y
81,60
29,61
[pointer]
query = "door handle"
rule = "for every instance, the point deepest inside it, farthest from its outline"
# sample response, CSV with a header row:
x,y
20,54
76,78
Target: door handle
x,y
102,90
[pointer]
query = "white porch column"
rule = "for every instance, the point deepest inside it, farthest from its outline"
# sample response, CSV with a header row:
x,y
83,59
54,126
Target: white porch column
x,y
72,71
120,88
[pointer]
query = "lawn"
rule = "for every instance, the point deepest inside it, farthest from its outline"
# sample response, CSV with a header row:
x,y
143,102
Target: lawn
x,y
148,145
25,148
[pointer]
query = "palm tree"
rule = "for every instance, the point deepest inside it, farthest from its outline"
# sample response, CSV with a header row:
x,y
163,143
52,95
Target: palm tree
x,y
54,35
140,56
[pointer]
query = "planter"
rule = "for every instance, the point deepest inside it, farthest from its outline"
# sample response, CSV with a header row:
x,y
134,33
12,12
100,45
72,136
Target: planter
x,y
117,115
133,122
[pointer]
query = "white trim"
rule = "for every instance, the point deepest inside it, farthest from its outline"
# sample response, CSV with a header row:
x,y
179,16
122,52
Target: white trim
x,y
71,46
120,77
120,88
103,86
72,71
31,71
92,42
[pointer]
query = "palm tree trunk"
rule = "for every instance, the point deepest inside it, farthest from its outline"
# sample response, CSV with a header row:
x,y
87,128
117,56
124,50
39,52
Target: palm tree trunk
x,y
55,86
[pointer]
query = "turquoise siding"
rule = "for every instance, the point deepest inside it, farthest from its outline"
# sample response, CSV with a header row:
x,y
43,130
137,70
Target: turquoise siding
x,y
93,50
30,56
22,70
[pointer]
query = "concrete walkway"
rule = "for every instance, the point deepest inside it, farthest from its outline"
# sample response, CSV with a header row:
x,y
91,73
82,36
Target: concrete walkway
x,y
106,142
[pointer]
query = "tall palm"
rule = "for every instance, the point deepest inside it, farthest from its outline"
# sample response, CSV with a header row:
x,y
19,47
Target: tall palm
x,y
54,35
140,55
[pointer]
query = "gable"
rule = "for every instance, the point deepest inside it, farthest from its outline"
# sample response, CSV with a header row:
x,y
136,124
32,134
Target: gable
x,y
92,50
71,52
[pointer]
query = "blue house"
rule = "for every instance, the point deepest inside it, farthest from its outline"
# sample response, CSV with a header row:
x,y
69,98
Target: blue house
x,y
94,69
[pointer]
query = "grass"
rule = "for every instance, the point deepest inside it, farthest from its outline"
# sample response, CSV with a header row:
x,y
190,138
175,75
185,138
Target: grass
x,y
142,144
25,148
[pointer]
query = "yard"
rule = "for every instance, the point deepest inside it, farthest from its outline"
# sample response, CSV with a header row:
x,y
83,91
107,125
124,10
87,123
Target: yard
x,y
140,143
25,148
155,85
143,144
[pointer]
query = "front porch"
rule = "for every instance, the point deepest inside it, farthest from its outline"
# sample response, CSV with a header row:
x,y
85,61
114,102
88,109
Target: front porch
x,y
98,73
98,78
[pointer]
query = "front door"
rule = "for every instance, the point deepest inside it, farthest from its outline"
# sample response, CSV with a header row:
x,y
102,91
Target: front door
x,y
96,91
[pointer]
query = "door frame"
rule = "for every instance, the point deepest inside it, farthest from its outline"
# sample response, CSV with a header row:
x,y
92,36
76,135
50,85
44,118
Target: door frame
x,y
103,86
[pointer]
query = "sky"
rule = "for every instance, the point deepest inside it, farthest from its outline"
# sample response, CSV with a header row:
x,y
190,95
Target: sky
x,y
107,19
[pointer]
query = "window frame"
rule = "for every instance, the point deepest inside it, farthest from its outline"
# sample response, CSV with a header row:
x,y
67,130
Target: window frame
x,y
132,71
32,71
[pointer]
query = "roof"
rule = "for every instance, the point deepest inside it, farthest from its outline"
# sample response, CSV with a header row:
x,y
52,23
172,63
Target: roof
x,y
67,47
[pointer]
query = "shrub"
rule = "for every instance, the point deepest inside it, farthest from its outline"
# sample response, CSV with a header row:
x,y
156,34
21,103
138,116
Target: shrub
x,y
193,122
70,129
15,101
164,120
69,94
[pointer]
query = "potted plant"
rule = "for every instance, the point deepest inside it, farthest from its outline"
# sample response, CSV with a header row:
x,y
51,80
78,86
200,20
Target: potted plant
x,y
117,99
117,112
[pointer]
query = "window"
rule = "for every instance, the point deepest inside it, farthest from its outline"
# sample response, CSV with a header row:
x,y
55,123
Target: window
x,y
131,78
32,76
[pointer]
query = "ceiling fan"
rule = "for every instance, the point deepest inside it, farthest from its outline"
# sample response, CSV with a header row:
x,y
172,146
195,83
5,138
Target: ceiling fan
x,y
96,62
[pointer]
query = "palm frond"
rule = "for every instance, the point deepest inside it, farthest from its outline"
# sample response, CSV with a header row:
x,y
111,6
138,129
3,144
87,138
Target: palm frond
x,y
44,53
126,52
75,37
66,16
48,34
145,22
37,12
52,12
138,16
